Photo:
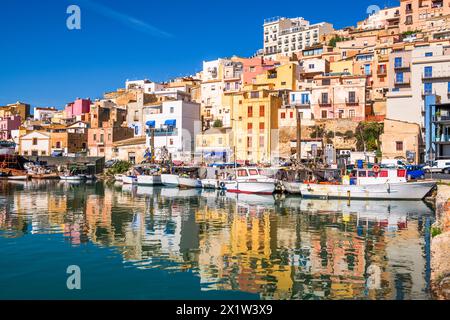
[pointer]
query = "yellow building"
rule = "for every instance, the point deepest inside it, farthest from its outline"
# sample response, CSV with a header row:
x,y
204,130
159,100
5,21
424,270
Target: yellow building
x,y
283,77
18,108
254,117
342,66
215,145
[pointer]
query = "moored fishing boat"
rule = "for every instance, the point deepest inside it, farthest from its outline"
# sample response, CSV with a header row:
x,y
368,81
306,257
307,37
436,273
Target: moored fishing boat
x,y
170,180
44,176
185,182
210,184
148,175
249,181
189,177
70,177
385,184
129,180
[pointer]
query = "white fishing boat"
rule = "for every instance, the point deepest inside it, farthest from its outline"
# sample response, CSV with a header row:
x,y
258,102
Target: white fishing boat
x,y
185,182
170,180
210,184
249,181
149,180
129,180
69,177
386,184
18,178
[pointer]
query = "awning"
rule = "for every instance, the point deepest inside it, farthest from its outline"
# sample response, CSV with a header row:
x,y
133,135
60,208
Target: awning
x,y
151,123
171,123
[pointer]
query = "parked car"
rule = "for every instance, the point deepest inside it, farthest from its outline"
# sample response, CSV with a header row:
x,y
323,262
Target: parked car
x,y
415,172
110,163
438,166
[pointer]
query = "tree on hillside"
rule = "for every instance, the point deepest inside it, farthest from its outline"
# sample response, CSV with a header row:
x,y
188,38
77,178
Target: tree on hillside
x,y
368,136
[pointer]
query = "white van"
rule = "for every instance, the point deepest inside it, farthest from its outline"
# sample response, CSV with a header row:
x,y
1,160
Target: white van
x,y
438,166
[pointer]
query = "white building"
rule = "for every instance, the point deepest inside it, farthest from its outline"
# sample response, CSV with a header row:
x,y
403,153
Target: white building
x,y
147,85
381,19
429,75
175,125
287,36
44,114
35,144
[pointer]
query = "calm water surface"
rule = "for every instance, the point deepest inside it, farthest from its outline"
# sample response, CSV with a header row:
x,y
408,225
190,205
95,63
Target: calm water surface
x,y
160,243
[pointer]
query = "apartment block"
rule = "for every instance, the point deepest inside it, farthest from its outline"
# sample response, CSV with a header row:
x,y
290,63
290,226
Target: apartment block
x,y
287,36
7,125
414,14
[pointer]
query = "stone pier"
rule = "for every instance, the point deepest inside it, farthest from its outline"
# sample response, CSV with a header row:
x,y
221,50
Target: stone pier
x,y
440,246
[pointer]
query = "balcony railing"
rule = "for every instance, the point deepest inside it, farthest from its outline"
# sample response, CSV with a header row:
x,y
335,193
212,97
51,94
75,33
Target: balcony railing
x,y
441,74
402,82
382,72
163,132
443,138
402,65
325,103
351,101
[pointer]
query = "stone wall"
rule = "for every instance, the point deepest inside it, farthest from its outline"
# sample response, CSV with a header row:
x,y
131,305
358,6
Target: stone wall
x,y
440,246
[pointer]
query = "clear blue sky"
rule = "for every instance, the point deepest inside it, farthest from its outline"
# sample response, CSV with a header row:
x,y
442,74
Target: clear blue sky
x,y
45,64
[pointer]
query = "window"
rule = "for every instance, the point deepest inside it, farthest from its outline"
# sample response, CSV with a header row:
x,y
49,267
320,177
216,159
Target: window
x,y
399,145
35,141
242,173
341,114
311,66
249,128
253,172
254,95
428,88
250,112
352,97
351,114
25,153
398,62
362,174
261,111
291,115
34,153
58,144
171,142
95,137
171,110
261,141
132,157
101,137
324,98
249,142
283,83
109,137
252,69
448,87
399,77
283,115
428,54
367,70
261,127
384,174
305,98
220,141
428,72
324,114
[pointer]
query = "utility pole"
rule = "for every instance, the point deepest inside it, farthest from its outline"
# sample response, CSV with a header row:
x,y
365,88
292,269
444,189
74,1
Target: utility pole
x,y
152,144
299,136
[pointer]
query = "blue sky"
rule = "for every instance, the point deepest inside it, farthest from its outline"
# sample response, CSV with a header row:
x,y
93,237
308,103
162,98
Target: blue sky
x,y
45,64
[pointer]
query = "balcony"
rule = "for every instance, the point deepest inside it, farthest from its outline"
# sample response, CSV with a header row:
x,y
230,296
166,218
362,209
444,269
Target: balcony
x,y
301,104
403,82
445,118
400,66
441,74
443,139
325,103
352,101
382,72
164,132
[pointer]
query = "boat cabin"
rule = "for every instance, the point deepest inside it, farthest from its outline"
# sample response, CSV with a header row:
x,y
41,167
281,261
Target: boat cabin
x,y
376,176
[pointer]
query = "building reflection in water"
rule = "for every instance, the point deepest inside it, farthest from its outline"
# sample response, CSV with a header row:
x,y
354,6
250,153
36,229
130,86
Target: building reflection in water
x,y
285,248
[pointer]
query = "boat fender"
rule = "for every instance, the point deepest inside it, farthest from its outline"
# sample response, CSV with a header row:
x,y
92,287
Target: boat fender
x,y
222,185
222,193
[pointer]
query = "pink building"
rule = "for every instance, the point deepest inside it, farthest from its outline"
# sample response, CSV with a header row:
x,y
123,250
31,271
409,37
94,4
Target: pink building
x,y
78,108
7,125
254,67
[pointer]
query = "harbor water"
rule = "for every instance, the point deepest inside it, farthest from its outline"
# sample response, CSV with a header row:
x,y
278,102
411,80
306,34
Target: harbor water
x,y
164,243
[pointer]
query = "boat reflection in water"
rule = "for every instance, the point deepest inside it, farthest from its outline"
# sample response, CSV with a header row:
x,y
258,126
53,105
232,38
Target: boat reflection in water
x,y
233,245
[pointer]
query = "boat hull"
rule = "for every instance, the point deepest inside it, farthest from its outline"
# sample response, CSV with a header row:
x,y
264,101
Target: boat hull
x,y
149,180
129,180
189,183
170,180
399,191
247,187
72,178
49,176
210,184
